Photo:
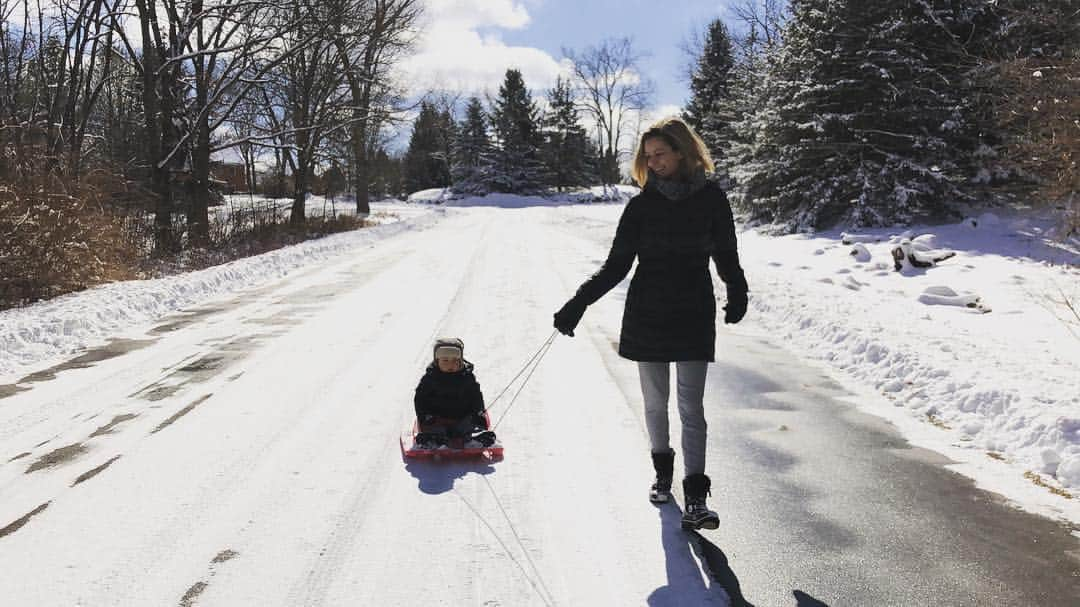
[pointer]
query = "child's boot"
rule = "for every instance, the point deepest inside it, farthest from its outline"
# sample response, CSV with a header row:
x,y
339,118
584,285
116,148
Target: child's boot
x,y
481,439
429,440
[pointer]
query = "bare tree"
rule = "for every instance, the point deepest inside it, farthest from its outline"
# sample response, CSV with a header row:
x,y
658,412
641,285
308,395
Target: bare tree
x,y
78,37
611,89
316,103
198,66
368,45
16,42
763,21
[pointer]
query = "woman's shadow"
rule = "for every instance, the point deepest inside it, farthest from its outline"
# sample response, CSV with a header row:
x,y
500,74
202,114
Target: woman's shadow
x,y
698,572
437,476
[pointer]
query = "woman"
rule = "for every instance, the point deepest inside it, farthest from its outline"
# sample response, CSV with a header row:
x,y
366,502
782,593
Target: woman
x,y
677,223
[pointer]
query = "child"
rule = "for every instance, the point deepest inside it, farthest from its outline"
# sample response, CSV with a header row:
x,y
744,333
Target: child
x,y
448,400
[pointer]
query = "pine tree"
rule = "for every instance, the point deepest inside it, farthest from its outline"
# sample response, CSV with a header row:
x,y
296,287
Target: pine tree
x,y
385,175
426,161
568,154
710,89
750,157
472,152
515,122
868,115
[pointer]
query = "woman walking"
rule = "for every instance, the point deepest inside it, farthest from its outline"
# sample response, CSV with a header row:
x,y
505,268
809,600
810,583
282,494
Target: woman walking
x,y
673,227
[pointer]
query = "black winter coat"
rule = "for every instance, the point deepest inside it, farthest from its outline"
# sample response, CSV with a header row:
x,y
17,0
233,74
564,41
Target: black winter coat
x,y
670,312
452,395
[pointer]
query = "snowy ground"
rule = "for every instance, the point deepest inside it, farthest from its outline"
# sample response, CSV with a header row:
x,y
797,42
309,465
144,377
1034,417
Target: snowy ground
x,y
996,382
988,372
232,379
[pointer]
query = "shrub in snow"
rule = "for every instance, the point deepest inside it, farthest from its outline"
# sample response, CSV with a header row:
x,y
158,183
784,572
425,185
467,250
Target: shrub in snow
x,y
924,242
860,252
907,255
944,296
847,238
1068,471
1051,460
431,196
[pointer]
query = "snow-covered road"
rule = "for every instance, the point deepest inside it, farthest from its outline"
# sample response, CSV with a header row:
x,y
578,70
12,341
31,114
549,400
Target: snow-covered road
x,y
245,453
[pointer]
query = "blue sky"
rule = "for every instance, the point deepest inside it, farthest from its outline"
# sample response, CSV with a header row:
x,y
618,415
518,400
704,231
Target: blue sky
x,y
467,45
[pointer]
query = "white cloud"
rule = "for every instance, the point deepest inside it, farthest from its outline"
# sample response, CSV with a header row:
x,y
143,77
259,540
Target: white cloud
x,y
663,111
478,13
453,55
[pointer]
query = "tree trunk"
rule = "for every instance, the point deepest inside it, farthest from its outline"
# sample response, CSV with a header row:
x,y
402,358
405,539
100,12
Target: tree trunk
x,y
301,171
363,206
164,243
300,186
198,208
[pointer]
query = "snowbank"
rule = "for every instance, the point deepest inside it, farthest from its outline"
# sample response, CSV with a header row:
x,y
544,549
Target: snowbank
x,y
997,368
59,327
613,193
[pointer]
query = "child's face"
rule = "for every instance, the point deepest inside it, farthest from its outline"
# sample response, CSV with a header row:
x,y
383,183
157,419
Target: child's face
x,y
449,364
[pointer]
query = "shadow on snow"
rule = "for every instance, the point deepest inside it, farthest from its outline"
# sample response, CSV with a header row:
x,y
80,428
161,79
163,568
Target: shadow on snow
x,y
437,476
698,571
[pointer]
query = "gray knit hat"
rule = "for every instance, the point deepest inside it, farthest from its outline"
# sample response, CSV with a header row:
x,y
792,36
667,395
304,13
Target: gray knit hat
x,y
450,347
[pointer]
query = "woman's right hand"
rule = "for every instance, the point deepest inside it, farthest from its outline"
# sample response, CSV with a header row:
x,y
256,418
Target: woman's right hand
x,y
567,318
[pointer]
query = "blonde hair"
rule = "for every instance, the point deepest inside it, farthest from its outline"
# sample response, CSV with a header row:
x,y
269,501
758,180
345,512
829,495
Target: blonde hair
x,y
677,134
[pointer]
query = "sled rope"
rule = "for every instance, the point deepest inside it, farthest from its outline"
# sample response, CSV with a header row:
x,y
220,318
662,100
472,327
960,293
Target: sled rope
x,y
550,598
544,594
530,366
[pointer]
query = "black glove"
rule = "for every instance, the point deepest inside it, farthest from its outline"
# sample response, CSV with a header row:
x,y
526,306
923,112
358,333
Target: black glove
x,y
568,317
736,305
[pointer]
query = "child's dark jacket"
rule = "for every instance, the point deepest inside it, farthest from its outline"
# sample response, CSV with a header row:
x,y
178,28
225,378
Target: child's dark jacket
x,y
451,395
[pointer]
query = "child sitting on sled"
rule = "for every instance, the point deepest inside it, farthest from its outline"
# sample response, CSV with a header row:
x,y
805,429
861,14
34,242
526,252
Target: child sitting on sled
x,y
448,400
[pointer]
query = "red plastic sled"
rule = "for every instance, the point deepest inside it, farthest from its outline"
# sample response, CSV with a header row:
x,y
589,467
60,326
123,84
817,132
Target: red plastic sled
x,y
455,449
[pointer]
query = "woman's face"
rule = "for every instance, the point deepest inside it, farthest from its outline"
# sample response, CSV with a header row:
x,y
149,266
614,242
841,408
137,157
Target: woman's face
x,y
661,159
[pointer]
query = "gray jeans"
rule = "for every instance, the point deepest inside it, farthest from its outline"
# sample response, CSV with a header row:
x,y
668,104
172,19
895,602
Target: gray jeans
x,y
655,386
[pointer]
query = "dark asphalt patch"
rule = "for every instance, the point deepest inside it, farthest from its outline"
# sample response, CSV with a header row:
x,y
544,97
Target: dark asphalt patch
x,y
89,474
180,413
116,421
56,457
18,524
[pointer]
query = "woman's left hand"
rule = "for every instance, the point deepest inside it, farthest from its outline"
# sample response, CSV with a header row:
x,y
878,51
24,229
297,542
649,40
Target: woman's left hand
x,y
736,305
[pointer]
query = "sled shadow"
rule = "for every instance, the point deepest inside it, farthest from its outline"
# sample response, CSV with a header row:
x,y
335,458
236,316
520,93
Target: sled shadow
x,y
688,555
437,476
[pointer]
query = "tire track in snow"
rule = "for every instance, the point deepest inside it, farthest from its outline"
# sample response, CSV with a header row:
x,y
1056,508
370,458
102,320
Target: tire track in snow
x,y
327,565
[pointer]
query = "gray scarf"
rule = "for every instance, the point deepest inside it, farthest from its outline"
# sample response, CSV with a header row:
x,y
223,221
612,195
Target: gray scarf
x,y
676,189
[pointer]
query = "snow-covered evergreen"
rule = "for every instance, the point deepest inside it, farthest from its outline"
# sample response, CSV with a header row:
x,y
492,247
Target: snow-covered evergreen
x,y
515,120
569,156
750,156
427,161
710,89
472,152
866,120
